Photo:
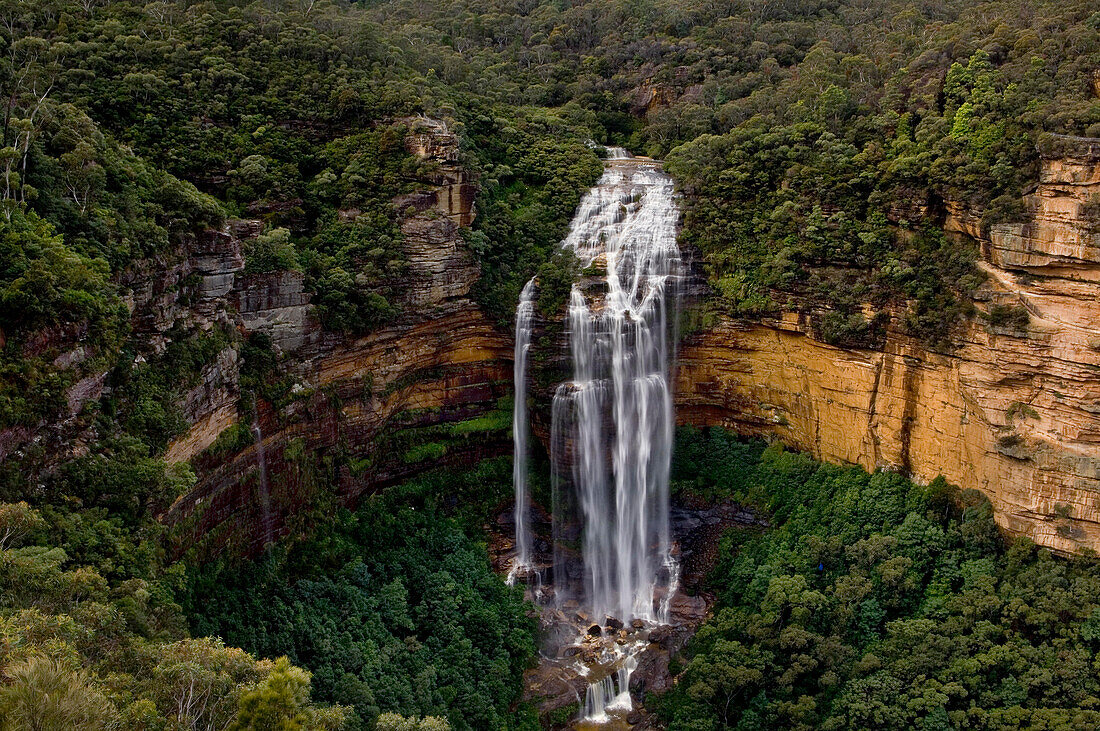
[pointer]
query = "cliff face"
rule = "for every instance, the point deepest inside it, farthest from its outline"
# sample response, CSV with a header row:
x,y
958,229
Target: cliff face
x,y
364,403
185,286
1012,412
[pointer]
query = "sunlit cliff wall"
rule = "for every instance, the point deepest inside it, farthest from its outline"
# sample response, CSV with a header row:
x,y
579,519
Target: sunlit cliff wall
x,y
1012,412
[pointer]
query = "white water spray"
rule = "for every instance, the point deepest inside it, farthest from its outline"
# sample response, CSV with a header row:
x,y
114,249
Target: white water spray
x,y
612,423
612,693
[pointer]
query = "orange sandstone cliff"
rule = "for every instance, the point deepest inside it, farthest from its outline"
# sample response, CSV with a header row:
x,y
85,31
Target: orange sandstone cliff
x,y
1012,412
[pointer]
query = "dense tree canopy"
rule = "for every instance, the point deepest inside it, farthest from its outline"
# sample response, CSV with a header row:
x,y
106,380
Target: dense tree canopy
x,y
79,650
875,603
392,607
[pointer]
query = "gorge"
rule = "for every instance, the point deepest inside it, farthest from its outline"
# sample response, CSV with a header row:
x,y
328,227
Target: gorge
x,y
353,375
930,413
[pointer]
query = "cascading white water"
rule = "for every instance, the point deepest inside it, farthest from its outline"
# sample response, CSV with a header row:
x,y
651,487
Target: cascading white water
x,y
261,463
520,429
620,398
612,424
611,693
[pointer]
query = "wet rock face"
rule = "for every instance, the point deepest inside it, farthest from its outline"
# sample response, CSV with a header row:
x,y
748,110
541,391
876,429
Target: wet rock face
x,y
1012,412
569,637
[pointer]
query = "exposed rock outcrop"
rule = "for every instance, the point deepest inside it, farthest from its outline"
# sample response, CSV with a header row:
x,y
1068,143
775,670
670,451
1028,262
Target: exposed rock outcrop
x,y
441,362
185,286
276,303
453,192
1012,412
210,407
450,368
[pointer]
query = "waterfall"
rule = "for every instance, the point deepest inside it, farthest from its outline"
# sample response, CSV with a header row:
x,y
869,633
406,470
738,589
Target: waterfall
x,y
520,429
619,430
261,462
611,693
612,423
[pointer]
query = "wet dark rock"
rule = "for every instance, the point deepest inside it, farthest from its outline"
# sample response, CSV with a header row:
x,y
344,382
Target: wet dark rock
x,y
696,528
652,674
551,688
690,610
660,634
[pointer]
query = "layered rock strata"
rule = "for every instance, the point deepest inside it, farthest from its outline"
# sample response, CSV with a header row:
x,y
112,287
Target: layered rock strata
x,y
1012,412
443,361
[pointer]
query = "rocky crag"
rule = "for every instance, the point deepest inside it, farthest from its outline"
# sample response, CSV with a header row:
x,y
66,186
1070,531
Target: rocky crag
x,y
364,403
1011,412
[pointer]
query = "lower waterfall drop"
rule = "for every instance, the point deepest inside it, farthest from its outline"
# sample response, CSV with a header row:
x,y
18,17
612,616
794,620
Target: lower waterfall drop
x,y
612,693
261,464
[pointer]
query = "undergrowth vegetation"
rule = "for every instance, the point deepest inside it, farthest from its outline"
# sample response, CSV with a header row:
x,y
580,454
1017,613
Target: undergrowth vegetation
x,y
392,607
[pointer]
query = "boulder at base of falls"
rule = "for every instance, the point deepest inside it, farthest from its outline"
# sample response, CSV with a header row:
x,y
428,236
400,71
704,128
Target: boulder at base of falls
x,y
551,687
689,610
660,634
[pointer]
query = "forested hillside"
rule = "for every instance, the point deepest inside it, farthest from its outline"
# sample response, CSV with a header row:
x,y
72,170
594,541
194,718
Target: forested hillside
x,y
875,603
818,145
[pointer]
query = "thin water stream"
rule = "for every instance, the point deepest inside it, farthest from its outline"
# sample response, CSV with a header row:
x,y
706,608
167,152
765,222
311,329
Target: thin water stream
x,y
520,431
